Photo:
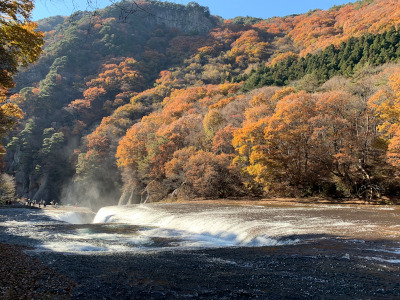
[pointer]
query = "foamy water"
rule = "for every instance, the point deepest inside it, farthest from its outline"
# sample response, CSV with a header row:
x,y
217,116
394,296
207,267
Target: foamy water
x,y
161,227
217,226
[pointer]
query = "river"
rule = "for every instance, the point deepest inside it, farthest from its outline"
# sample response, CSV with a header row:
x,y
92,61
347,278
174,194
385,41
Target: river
x,y
352,246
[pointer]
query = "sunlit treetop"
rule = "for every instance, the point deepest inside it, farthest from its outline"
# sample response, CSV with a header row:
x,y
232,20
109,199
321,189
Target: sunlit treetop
x,y
20,43
18,11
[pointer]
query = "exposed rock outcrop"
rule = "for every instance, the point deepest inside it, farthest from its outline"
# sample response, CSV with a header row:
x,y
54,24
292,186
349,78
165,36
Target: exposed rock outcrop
x,y
155,191
42,190
192,18
183,192
129,196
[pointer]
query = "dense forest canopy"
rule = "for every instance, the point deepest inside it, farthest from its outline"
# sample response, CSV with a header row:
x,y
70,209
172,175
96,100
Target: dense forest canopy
x,y
20,45
172,102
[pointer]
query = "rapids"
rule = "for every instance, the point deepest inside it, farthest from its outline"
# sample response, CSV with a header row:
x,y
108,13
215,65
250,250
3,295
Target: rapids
x,y
162,227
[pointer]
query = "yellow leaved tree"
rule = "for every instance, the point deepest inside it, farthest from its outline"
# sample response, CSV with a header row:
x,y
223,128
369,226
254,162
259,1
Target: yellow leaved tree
x,y
386,106
20,45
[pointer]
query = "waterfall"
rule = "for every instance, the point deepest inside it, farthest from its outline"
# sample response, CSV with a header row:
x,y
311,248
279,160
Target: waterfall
x,y
225,226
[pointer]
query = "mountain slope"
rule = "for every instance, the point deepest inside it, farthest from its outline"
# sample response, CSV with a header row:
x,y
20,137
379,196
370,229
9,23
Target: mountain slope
x,y
149,107
92,64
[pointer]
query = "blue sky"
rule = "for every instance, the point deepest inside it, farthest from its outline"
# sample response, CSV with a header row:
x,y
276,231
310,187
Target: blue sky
x,y
224,8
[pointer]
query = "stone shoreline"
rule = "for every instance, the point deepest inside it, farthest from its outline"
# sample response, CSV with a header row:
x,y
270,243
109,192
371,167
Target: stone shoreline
x,y
24,277
330,268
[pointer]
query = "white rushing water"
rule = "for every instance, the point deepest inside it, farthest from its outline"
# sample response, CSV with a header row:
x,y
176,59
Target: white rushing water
x,y
222,227
216,226
160,227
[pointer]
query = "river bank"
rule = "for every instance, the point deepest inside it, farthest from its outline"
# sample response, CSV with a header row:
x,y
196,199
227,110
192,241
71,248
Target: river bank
x,y
330,268
241,201
279,201
25,277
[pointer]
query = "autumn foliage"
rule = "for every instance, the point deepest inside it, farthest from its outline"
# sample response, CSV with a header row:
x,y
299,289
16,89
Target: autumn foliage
x,y
304,105
173,144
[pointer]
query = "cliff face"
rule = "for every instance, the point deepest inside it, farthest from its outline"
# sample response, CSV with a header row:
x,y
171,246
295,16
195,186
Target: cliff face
x,y
192,19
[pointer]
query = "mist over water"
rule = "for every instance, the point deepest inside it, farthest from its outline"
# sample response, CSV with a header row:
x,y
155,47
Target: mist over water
x,y
89,193
73,217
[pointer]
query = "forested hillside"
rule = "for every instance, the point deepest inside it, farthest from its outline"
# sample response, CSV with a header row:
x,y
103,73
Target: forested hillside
x,y
171,102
